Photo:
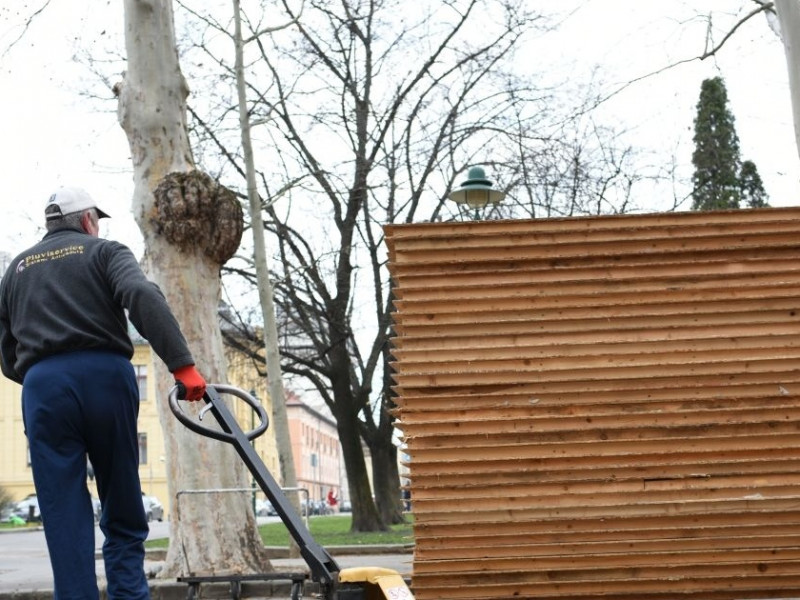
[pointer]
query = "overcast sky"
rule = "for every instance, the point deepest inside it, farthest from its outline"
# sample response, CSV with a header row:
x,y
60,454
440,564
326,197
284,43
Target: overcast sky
x,y
53,136
629,39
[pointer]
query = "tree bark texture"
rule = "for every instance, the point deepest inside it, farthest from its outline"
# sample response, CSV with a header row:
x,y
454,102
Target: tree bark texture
x,y
364,514
191,226
385,478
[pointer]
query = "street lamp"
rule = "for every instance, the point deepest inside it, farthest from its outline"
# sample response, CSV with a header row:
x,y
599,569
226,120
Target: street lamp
x,y
477,191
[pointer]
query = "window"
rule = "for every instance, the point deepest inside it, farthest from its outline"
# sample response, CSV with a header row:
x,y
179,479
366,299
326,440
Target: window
x,y
142,448
141,380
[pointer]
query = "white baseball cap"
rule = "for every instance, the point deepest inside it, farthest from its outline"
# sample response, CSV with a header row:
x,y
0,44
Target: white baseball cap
x,y
68,200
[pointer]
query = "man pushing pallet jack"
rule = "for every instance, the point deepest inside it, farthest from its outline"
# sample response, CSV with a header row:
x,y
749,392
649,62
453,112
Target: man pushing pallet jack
x,y
359,583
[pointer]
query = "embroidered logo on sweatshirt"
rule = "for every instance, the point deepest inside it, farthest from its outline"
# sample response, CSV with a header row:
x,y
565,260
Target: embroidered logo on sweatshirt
x,y
41,257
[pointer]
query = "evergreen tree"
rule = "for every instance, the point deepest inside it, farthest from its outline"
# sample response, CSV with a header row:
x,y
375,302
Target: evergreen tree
x,y
716,155
751,188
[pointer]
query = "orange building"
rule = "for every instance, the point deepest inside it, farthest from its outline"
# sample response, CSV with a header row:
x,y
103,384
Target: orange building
x,y
316,449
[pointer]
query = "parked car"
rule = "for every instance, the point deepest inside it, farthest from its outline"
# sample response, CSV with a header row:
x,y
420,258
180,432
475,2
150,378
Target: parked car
x,y
5,513
28,509
153,508
345,506
98,510
264,508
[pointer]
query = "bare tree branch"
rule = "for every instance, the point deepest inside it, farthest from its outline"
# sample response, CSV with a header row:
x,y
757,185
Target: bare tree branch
x,y
26,26
763,7
295,18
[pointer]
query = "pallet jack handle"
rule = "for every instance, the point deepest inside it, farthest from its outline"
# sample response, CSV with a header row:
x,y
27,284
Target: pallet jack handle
x,y
323,567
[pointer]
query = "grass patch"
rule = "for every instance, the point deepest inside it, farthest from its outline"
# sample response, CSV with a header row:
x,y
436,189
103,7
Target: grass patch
x,y
332,530
157,544
11,526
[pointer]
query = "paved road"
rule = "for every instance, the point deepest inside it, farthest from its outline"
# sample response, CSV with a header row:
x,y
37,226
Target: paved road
x,y
25,566
24,563
23,555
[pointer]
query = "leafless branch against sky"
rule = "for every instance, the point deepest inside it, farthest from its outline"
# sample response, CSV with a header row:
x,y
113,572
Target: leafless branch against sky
x,y
711,48
34,13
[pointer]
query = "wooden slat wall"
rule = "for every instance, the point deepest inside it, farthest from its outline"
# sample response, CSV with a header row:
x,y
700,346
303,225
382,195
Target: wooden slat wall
x,y
602,407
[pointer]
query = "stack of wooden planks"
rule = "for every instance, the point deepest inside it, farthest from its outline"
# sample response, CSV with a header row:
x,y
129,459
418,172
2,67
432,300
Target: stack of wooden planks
x,y
602,407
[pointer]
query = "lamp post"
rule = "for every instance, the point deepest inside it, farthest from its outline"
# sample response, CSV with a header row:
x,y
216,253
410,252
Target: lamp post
x,y
477,191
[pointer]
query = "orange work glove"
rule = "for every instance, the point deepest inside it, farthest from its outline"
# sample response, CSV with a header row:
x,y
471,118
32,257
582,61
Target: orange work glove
x,y
194,386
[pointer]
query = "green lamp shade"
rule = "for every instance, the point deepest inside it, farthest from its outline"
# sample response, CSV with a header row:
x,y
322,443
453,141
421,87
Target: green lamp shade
x,y
476,191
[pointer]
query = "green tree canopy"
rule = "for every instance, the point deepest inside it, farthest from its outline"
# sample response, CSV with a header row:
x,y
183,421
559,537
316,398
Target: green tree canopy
x,y
716,156
751,188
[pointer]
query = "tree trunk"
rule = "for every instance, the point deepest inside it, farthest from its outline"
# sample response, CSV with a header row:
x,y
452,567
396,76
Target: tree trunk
x,y
280,420
365,516
191,226
385,470
789,19
386,480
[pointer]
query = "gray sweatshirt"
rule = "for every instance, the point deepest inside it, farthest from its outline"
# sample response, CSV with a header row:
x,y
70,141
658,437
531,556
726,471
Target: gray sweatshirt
x,y
69,292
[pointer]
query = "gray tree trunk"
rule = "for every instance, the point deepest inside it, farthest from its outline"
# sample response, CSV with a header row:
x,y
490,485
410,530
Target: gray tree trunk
x,y
190,228
280,421
789,21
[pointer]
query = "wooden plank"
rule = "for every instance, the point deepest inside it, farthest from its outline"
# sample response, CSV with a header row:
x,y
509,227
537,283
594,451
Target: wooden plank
x,y
551,414
556,320
691,507
602,501
609,301
671,586
718,259
633,465
499,248
529,448
471,290
641,424
729,485
740,520
675,222
649,331
616,350
673,225
514,545
777,260
550,399
572,392
653,564
453,475
557,371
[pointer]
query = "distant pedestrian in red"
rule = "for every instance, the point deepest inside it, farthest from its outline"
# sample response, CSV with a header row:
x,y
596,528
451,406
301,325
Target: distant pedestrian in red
x,y
332,500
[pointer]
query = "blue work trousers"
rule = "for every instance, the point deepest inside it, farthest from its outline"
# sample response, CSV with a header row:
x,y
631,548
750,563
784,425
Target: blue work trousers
x,y
78,404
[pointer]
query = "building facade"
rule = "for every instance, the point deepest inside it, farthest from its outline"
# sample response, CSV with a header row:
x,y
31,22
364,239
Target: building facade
x,y
316,450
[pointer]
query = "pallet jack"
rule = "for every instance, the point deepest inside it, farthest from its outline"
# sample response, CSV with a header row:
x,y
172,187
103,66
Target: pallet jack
x,y
359,583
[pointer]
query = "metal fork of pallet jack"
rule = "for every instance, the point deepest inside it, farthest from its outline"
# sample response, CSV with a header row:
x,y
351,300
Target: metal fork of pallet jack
x,y
322,566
